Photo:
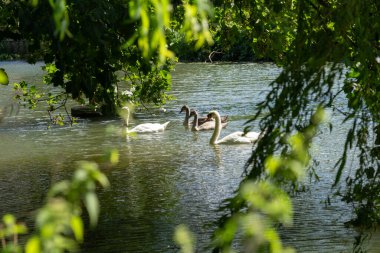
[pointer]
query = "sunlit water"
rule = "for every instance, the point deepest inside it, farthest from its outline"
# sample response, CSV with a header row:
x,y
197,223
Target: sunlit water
x,y
163,179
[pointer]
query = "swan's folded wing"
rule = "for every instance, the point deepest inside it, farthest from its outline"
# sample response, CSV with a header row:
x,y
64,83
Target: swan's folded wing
x,y
209,125
205,120
253,135
202,121
240,138
233,138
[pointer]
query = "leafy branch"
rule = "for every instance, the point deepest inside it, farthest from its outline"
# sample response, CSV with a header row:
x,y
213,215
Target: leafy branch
x,y
28,95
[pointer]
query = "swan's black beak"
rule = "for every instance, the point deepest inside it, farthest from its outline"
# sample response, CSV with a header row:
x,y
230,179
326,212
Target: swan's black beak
x,y
209,116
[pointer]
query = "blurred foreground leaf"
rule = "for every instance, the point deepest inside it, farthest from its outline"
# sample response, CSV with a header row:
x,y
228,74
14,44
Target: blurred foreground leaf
x,y
3,77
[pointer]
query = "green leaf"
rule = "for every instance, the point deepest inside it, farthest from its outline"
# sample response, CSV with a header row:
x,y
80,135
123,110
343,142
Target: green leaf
x,y
92,204
33,245
77,227
9,219
59,188
331,25
34,3
272,164
184,238
112,156
101,178
353,73
4,80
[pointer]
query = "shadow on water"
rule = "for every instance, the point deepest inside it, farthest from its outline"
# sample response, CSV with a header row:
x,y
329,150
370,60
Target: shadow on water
x,y
167,178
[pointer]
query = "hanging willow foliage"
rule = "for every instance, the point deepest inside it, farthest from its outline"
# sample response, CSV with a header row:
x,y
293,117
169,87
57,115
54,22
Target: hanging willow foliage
x,y
326,48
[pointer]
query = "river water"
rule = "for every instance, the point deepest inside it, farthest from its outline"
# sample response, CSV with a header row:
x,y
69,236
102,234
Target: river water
x,y
168,178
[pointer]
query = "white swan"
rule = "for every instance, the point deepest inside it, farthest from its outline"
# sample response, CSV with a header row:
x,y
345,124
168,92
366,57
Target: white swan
x,y
208,125
234,138
201,120
143,128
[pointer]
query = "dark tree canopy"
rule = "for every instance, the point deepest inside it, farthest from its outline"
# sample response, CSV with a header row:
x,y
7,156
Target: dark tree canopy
x,y
95,46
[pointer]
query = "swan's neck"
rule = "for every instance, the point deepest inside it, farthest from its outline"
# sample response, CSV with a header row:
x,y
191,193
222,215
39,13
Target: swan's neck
x,y
126,117
187,116
217,130
125,131
195,122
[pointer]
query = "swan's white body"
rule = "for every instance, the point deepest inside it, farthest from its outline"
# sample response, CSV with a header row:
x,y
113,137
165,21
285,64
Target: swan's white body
x,y
208,125
143,128
234,138
148,128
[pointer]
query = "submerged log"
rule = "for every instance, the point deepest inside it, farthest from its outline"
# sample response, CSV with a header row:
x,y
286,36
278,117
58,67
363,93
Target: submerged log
x,y
84,111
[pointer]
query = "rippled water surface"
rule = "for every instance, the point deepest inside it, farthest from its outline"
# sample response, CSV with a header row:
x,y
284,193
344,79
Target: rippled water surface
x,y
163,179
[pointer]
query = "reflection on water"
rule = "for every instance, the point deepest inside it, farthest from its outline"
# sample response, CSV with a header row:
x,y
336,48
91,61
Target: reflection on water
x,y
163,179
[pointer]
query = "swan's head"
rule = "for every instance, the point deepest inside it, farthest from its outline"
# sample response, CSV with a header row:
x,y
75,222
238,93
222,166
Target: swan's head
x,y
184,108
212,114
193,113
